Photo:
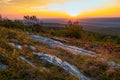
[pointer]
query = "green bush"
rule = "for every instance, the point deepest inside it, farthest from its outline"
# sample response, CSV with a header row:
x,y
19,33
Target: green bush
x,y
16,24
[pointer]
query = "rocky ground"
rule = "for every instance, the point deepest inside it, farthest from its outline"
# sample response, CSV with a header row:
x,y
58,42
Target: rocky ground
x,y
34,57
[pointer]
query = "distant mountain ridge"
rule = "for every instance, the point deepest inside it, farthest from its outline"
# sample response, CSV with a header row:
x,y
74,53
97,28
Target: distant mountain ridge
x,y
102,25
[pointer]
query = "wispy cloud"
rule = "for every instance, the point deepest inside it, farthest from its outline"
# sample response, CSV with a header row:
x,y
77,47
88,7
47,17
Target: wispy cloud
x,y
3,2
71,7
74,7
49,7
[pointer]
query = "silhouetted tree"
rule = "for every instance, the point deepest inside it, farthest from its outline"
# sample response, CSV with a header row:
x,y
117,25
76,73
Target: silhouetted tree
x,y
26,17
32,18
0,17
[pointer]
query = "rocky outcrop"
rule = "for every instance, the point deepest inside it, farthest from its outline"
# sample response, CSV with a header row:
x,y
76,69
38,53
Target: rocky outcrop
x,y
63,64
18,46
73,49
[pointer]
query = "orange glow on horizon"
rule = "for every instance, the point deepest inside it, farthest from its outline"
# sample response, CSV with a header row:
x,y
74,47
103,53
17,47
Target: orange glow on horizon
x,y
97,13
113,12
60,9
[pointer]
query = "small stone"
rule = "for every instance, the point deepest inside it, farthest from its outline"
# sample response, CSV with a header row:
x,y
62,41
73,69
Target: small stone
x,y
16,45
32,47
2,66
27,33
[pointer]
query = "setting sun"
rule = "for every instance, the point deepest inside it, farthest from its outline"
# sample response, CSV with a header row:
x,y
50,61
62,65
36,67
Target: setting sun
x,y
73,14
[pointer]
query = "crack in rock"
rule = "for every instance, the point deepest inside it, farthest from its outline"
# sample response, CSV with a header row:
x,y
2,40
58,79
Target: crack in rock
x,y
27,61
59,39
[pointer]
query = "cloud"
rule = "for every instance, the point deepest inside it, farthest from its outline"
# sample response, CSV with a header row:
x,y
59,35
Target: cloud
x,y
71,7
32,2
74,7
49,7
5,1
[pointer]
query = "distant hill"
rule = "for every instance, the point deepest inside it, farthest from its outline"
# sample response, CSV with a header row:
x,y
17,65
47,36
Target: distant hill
x,y
102,25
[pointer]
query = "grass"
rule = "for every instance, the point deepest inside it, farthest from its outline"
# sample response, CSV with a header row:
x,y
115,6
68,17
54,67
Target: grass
x,y
20,70
93,68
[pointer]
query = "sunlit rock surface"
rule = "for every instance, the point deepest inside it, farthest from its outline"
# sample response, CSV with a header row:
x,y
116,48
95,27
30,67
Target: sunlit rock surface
x,y
63,64
16,45
31,47
2,66
73,49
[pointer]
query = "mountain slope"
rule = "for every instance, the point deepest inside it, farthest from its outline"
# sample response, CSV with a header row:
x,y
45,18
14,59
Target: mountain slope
x,y
19,59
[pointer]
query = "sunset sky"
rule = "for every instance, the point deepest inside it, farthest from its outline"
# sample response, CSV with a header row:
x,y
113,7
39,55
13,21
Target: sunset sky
x,y
60,8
